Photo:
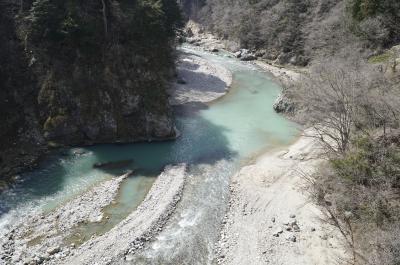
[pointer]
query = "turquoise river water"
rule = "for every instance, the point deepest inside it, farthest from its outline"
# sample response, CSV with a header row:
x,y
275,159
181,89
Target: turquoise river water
x,y
217,139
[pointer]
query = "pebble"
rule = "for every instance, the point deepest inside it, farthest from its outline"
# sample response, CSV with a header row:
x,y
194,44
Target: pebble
x,y
292,216
278,231
53,250
291,238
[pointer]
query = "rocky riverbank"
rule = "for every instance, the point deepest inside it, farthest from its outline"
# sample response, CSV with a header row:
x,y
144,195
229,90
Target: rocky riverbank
x,y
40,236
119,244
198,80
44,239
270,218
286,75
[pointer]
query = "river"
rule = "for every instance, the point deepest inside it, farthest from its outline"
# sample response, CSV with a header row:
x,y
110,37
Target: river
x,y
217,139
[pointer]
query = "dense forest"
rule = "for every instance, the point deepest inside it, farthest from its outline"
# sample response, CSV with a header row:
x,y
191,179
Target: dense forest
x,y
83,72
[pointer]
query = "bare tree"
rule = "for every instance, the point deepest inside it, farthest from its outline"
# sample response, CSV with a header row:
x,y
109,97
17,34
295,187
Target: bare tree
x,y
330,95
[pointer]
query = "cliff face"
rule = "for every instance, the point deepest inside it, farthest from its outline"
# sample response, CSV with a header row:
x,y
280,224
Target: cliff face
x,y
83,72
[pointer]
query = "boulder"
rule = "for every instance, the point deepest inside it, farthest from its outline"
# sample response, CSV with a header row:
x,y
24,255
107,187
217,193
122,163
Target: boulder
x,y
248,57
238,54
283,104
291,238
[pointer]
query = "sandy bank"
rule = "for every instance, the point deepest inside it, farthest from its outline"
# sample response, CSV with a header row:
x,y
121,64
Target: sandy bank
x,y
284,75
120,243
199,80
38,235
264,196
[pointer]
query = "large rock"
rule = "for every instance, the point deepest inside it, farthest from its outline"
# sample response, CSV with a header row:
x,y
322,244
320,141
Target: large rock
x,y
214,49
238,54
56,93
283,104
248,57
245,55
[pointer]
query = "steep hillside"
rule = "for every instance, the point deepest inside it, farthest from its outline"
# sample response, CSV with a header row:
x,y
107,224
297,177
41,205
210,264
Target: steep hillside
x,y
83,72
295,31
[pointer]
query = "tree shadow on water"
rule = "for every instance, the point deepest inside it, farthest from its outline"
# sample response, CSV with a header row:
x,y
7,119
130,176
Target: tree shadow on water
x,y
201,141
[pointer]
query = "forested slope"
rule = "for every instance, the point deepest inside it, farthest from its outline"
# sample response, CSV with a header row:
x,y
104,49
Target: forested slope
x,y
82,72
295,31
349,94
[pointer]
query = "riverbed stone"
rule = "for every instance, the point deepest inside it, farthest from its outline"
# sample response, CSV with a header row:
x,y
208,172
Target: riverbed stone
x,y
53,250
278,231
291,238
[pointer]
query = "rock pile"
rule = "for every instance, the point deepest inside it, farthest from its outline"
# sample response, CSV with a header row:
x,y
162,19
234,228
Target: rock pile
x,y
290,227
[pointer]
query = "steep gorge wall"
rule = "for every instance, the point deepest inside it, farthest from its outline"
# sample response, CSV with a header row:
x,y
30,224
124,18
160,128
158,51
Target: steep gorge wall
x,y
83,72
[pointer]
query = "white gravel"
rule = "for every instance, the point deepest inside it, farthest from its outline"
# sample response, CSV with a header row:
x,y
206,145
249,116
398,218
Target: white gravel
x,y
203,81
33,237
258,228
121,242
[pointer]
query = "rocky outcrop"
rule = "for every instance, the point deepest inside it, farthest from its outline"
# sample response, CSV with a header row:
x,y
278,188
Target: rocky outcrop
x,y
245,55
20,137
283,104
71,75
